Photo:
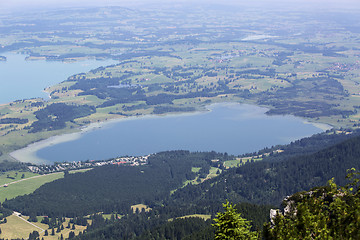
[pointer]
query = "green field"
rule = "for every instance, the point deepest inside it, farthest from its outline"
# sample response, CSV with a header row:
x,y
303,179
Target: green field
x,y
18,228
12,176
213,172
240,161
140,208
29,184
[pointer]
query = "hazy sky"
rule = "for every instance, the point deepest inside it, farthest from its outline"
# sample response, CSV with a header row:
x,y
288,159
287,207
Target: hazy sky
x,y
34,4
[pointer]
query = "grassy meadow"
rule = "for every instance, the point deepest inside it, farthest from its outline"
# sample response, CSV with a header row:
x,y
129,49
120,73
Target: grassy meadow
x,y
27,186
31,181
17,228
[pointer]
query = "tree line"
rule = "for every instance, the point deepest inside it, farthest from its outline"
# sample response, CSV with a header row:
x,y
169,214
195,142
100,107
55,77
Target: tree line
x,y
114,188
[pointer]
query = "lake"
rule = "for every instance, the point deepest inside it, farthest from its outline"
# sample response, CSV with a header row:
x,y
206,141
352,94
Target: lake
x,y
21,79
230,127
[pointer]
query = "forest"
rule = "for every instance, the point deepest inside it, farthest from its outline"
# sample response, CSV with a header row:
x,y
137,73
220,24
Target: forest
x,y
11,165
56,115
267,182
13,120
115,188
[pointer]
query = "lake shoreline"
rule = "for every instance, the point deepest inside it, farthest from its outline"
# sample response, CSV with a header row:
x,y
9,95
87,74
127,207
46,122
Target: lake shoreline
x,y
28,153
37,72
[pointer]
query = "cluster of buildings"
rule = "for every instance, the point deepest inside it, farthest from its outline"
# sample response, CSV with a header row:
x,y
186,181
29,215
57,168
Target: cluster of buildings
x,y
66,166
345,66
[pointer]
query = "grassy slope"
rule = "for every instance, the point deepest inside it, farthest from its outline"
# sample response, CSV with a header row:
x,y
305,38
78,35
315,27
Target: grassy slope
x,y
28,184
5,180
18,228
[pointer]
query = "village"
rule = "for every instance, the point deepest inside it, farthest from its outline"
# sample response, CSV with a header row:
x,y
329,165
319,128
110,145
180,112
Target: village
x,y
66,166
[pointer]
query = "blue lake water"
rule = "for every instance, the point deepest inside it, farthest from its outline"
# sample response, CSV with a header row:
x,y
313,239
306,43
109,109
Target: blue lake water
x,y
21,79
232,128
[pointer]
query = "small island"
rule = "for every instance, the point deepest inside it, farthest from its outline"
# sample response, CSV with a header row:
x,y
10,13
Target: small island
x,y
3,58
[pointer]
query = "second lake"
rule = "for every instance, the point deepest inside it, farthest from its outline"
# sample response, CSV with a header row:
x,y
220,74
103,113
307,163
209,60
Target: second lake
x,y
21,79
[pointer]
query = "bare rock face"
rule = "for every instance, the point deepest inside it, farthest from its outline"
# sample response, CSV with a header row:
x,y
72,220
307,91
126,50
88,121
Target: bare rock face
x,y
273,213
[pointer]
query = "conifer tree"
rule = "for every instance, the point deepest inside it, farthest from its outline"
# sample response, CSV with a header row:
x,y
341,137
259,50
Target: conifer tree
x,y
230,225
330,212
71,235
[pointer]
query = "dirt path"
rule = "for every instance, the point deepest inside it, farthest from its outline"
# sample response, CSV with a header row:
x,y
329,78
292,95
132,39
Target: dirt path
x,y
17,214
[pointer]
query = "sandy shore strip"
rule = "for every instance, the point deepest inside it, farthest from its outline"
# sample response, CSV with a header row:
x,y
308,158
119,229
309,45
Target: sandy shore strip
x,y
28,154
322,126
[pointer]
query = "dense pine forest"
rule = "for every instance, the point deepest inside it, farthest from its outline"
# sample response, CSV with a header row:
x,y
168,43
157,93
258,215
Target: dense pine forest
x,y
115,188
